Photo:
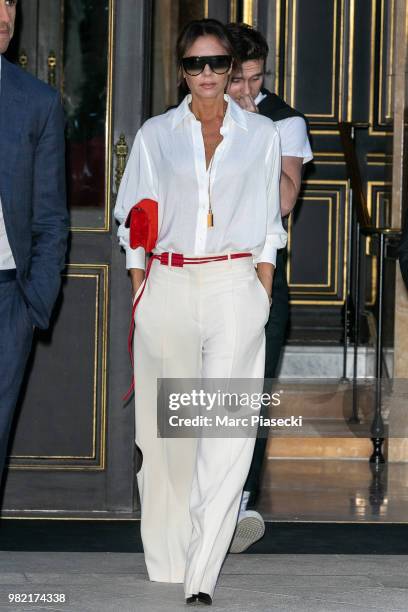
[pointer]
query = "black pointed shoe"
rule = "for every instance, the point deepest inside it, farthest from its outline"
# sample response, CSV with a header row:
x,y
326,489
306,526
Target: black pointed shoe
x,y
204,598
192,599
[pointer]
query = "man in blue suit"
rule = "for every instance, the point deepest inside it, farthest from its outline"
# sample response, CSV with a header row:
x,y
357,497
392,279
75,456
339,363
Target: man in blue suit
x,y
403,251
33,216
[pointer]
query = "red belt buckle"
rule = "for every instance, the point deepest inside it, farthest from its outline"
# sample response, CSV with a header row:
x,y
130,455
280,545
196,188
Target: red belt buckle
x,y
177,259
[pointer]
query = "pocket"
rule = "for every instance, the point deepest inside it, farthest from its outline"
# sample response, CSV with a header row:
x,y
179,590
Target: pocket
x,y
262,289
25,311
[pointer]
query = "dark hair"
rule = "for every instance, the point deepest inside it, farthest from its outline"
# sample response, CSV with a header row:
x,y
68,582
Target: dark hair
x,y
202,27
248,43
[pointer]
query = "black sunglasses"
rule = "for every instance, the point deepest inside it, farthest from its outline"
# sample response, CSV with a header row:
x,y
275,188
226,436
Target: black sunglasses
x,y
194,65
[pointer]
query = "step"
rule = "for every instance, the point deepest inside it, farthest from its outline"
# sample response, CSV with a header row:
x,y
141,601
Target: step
x,y
314,361
319,448
324,362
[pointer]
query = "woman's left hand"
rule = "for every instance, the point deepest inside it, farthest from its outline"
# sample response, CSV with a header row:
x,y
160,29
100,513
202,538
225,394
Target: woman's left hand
x,y
265,273
269,293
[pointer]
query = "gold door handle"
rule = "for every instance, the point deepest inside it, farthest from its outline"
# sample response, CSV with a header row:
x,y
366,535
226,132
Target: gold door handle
x,y
52,69
121,151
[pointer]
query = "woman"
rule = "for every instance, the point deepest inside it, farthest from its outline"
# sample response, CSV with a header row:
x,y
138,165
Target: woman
x,y
214,170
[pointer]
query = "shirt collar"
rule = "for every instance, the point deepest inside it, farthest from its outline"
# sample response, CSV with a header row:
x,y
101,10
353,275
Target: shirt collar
x,y
261,96
234,112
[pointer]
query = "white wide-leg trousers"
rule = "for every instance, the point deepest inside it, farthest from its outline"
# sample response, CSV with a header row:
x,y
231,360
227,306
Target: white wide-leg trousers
x,y
197,321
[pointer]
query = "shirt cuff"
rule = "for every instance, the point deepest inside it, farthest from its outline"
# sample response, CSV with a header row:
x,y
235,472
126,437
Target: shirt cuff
x,y
135,258
268,255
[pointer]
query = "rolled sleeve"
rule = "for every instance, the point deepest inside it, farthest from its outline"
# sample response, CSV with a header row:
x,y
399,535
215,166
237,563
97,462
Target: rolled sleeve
x,y
268,255
135,258
137,183
295,139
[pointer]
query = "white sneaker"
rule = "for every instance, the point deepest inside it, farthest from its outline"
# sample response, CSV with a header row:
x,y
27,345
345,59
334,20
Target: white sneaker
x,y
250,528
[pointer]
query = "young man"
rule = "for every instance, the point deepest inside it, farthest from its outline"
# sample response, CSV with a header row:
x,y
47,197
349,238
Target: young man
x,y
246,87
33,216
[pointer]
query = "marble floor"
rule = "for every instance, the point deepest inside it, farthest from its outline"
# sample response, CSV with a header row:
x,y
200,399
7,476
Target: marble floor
x,y
116,582
316,490
293,491
335,491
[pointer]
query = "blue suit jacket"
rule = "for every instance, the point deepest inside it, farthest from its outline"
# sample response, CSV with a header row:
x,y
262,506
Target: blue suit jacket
x,y
32,186
403,250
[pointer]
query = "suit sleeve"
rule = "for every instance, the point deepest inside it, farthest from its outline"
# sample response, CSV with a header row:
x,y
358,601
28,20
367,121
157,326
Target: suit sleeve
x,y
137,183
49,217
403,251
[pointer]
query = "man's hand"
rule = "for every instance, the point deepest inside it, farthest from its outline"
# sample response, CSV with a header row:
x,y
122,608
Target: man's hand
x,y
137,277
247,103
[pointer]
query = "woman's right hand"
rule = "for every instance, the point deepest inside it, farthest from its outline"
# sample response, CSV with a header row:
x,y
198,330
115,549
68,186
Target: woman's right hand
x,y
137,277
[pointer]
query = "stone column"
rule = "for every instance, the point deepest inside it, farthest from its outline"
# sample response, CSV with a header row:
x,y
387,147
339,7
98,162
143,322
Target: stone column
x,y
398,448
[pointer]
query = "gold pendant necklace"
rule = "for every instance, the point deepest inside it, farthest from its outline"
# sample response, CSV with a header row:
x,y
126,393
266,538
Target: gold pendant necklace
x,y
210,216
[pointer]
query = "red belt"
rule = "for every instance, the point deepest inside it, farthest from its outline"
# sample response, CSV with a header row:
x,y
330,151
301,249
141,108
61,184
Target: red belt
x,y
176,260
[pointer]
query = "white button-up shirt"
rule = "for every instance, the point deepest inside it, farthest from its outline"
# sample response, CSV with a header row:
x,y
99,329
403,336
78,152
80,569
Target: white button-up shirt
x,y
6,257
167,164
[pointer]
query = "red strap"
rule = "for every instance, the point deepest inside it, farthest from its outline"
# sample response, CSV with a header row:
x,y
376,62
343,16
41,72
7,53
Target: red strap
x,y
200,260
178,260
132,327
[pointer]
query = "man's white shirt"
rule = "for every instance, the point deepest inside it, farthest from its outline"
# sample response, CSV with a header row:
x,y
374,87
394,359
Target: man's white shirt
x,y
6,257
293,135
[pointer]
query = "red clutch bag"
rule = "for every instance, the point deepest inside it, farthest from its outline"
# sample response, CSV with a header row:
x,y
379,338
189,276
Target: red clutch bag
x,y
142,222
